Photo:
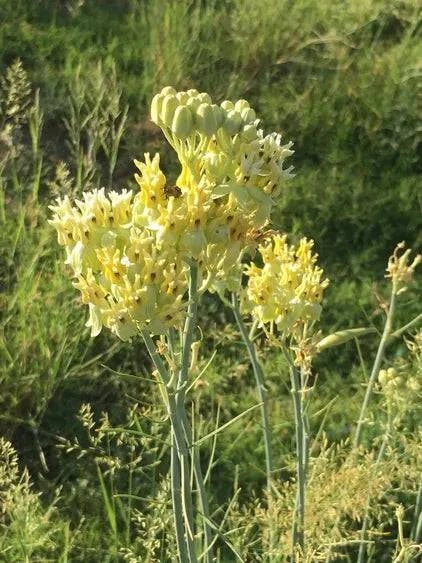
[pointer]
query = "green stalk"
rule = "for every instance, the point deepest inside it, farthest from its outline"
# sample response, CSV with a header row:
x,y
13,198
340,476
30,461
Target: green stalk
x,y
188,334
397,333
376,367
176,495
299,518
362,545
203,499
260,385
417,526
187,340
181,489
176,490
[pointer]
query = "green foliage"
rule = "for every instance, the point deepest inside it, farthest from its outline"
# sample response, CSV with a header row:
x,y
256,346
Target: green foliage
x,y
28,531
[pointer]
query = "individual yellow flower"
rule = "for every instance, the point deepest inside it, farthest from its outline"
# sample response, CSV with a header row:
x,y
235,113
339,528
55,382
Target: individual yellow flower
x,y
96,207
113,265
151,181
91,290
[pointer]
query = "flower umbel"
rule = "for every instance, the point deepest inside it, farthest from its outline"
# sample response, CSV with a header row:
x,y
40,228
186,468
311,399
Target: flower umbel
x,y
287,290
127,279
129,251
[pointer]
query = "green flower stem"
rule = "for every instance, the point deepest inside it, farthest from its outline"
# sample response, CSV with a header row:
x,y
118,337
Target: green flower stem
x,y
376,367
176,488
188,335
171,402
180,482
417,526
260,385
303,380
187,341
203,499
301,427
188,505
397,333
299,520
363,544
176,495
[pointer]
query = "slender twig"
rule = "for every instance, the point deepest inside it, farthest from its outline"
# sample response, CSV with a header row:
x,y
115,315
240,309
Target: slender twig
x,y
363,540
417,526
260,385
397,333
214,445
181,489
187,340
376,367
298,526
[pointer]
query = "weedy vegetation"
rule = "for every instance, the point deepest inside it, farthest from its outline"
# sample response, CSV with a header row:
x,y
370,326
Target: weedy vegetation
x,y
234,405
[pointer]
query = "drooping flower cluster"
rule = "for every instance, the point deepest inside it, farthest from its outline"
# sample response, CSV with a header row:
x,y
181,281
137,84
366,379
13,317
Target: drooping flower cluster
x,y
288,289
129,251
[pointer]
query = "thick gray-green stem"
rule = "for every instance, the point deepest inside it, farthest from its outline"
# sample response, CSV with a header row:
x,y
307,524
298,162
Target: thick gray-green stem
x,y
260,386
180,481
203,499
297,381
187,340
176,496
376,367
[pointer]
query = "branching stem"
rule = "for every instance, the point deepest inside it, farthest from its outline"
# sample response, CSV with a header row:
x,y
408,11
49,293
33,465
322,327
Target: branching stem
x,y
180,482
260,386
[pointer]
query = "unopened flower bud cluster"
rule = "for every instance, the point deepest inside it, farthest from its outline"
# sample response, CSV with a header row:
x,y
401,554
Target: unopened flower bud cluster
x,y
129,251
403,381
288,289
230,174
396,383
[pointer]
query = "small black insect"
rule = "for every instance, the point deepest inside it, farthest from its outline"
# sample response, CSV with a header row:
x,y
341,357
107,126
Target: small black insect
x,y
174,191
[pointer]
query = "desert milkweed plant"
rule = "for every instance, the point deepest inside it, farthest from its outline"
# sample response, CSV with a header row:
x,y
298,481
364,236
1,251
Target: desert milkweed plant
x,y
141,261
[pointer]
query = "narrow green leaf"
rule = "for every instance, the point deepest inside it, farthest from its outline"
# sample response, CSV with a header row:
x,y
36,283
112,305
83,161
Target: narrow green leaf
x,y
342,336
227,424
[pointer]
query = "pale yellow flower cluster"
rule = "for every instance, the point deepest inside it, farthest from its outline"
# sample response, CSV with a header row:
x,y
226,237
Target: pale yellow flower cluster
x,y
126,278
129,252
230,174
287,290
